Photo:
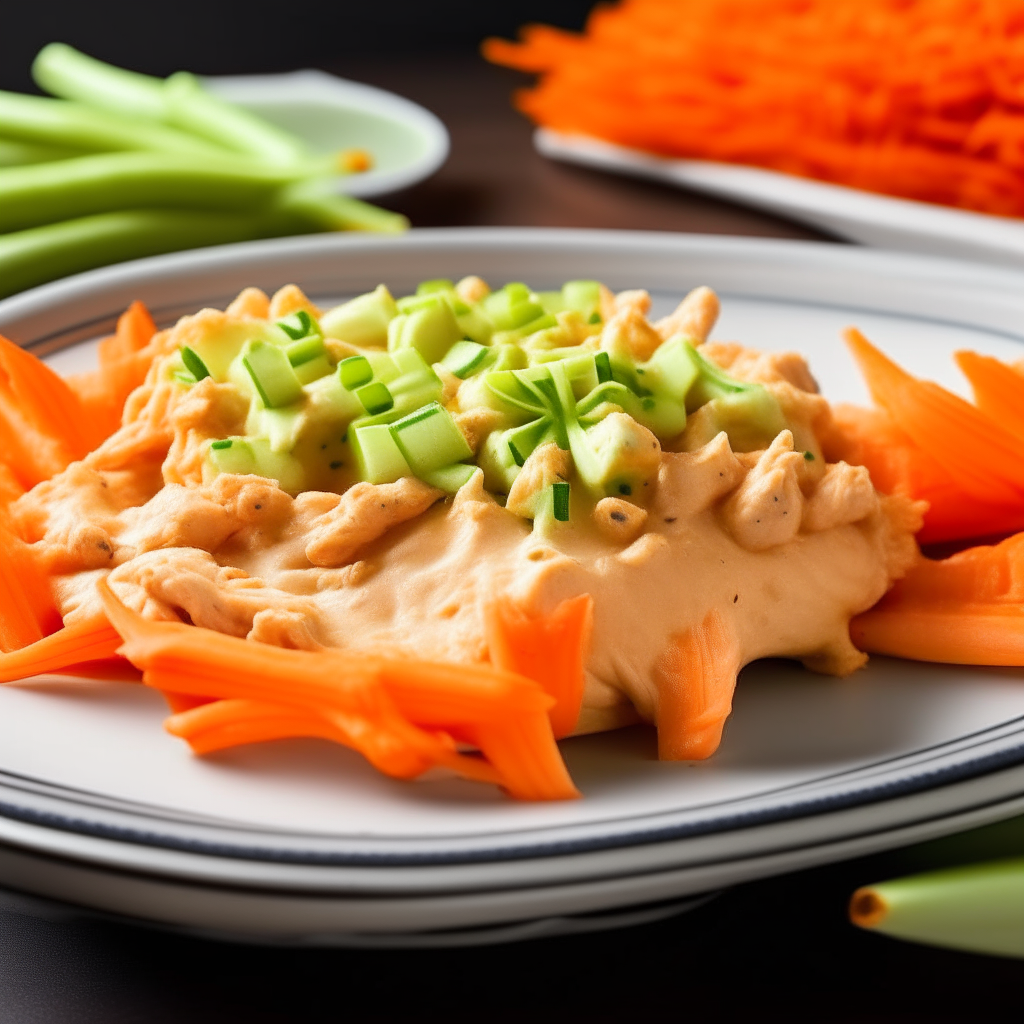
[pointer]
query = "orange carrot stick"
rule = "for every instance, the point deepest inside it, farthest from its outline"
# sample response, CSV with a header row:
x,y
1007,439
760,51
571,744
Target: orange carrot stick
x,y
381,707
967,609
551,649
27,612
998,389
94,640
963,634
34,399
123,365
983,458
695,678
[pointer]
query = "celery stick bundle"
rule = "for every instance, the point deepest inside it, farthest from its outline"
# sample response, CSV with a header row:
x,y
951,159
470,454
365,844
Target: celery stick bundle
x,y
121,165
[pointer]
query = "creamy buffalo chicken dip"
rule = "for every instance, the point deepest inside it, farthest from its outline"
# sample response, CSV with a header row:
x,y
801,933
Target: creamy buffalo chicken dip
x,y
373,476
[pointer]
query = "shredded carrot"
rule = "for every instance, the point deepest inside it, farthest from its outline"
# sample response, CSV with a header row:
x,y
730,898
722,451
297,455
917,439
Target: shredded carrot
x,y
124,361
404,715
695,678
550,649
966,461
27,613
914,99
67,648
967,609
43,426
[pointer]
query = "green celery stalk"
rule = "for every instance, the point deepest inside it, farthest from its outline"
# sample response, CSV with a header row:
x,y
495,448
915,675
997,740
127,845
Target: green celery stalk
x,y
979,908
64,71
314,202
191,107
63,123
64,189
41,254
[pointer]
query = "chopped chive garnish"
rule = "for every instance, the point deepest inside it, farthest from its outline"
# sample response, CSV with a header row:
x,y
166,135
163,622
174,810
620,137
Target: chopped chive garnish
x,y
604,367
184,377
594,318
355,371
376,397
625,489
560,495
193,363
298,325
305,350
516,454
809,456
220,445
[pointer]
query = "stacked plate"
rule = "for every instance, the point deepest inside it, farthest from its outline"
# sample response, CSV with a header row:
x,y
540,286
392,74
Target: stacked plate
x,y
301,841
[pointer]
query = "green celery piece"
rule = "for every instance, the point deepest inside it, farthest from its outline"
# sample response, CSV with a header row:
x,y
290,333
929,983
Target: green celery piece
x,y
618,459
440,284
591,468
376,397
299,325
582,296
354,372
193,363
379,458
752,418
675,367
464,357
183,377
314,369
254,456
232,455
450,478
473,323
511,307
430,439
497,462
514,335
560,500
362,321
512,392
305,349
431,329
712,382
328,401
522,441
551,302
979,907
507,357
271,373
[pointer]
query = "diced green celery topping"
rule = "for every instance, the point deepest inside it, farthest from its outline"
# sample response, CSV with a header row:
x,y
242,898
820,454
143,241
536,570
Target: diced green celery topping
x,y
219,445
464,357
305,350
355,371
376,397
430,439
272,374
299,325
440,284
193,363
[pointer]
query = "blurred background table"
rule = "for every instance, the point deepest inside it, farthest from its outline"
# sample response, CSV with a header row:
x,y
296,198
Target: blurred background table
x,y
776,950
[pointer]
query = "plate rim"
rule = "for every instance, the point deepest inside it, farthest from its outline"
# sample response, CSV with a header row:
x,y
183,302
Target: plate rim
x,y
195,264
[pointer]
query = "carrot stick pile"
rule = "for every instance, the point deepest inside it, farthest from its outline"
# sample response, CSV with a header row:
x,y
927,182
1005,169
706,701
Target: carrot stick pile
x,y
916,98
966,461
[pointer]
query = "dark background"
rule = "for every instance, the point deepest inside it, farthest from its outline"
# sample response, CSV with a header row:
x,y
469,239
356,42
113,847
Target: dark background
x,y
213,37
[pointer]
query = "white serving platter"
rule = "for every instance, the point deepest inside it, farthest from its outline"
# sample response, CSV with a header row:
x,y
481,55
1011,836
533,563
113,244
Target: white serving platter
x,y
866,217
407,142
302,842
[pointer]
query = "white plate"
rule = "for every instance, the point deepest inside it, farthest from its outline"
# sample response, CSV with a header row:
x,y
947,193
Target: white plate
x,y
865,217
407,142
302,840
